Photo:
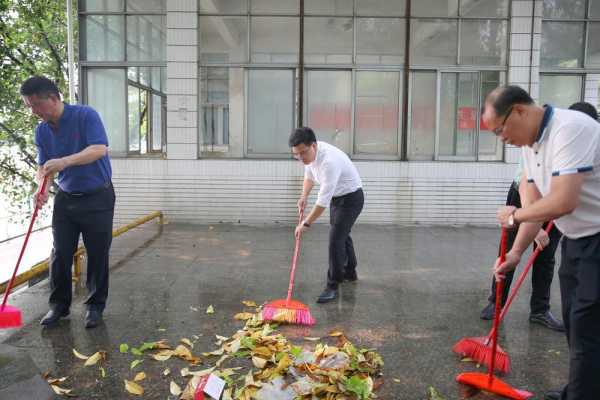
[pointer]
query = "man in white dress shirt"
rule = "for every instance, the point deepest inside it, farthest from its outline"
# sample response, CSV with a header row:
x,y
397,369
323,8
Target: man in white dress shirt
x,y
340,188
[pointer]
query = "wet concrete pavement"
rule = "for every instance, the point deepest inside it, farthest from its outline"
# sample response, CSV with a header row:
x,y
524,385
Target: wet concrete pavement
x,y
420,290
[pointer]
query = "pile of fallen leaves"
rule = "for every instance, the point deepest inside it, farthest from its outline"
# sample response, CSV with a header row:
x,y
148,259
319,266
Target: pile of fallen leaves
x,y
259,363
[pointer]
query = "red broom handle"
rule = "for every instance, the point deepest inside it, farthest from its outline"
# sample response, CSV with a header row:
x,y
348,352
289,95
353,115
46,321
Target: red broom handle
x,y
295,260
499,290
12,279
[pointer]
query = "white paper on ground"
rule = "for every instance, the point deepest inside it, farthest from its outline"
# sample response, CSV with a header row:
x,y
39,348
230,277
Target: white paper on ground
x,y
214,386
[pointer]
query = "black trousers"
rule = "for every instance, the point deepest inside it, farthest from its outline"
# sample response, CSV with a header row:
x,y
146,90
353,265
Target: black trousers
x,y
543,267
90,215
579,276
344,211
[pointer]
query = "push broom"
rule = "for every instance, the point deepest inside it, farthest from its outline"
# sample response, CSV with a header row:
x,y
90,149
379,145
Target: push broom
x,y
478,348
488,382
287,310
10,317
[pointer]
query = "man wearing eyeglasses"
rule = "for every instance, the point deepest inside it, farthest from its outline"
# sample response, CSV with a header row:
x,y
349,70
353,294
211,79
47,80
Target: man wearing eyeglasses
x,y
340,188
561,180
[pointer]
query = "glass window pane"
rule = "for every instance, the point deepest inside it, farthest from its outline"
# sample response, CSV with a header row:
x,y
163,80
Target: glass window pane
x,y
146,38
483,42
224,6
157,125
328,106
484,8
422,115
434,8
275,39
221,111
143,121
223,39
562,44
328,7
328,40
155,80
434,42
564,9
380,41
490,147
274,6
144,74
270,93
106,94
376,115
388,8
104,37
595,9
593,49
146,5
458,114
560,90
134,118
102,5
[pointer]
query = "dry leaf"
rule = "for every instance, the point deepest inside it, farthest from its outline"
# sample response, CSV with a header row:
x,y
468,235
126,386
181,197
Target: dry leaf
x,y
93,359
140,376
335,333
259,362
175,389
187,341
312,339
133,388
54,381
166,372
62,392
210,310
243,316
397,380
162,355
79,355
249,303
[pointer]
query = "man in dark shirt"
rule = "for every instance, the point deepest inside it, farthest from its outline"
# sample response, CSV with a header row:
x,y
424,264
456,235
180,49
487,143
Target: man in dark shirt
x,y
72,142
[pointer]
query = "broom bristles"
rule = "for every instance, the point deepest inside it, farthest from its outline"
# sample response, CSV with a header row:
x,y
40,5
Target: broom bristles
x,y
292,312
10,317
480,350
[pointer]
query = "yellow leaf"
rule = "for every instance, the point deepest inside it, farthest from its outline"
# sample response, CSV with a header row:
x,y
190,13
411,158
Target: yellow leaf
x,y
54,381
187,341
397,380
183,352
93,359
79,355
140,376
102,372
243,316
133,388
210,310
175,389
335,333
162,355
249,303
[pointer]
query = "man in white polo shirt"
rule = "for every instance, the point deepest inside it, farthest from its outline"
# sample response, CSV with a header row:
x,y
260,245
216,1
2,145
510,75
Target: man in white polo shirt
x,y
340,188
561,152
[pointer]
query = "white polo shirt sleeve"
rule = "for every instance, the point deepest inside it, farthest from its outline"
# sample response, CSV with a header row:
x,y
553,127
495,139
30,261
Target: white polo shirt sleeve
x,y
330,175
574,150
308,174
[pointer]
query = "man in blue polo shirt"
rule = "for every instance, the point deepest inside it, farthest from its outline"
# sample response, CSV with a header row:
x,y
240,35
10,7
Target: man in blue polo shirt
x,y
72,142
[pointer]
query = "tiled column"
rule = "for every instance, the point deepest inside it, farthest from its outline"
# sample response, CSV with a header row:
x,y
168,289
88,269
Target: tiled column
x,y
182,79
592,89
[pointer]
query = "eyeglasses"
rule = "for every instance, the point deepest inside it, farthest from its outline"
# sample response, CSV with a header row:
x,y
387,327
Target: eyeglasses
x,y
500,128
300,155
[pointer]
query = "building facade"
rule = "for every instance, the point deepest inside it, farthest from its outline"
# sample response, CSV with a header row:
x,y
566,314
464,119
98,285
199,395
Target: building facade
x,y
200,96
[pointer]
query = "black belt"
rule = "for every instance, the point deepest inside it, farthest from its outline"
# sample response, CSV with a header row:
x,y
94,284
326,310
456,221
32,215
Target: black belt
x,y
99,189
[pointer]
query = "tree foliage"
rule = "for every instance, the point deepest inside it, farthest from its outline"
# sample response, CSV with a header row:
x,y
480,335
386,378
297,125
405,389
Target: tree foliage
x,y
33,41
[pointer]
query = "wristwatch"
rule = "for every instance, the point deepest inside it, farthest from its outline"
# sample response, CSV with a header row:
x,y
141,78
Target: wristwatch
x,y
511,218
306,224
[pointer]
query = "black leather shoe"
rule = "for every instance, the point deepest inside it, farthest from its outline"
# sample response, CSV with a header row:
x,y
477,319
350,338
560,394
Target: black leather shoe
x,y
328,295
52,317
92,319
552,395
350,276
488,312
548,320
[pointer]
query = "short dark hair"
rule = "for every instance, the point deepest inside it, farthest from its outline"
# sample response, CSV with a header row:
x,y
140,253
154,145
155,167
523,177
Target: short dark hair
x,y
504,97
40,86
585,108
302,135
